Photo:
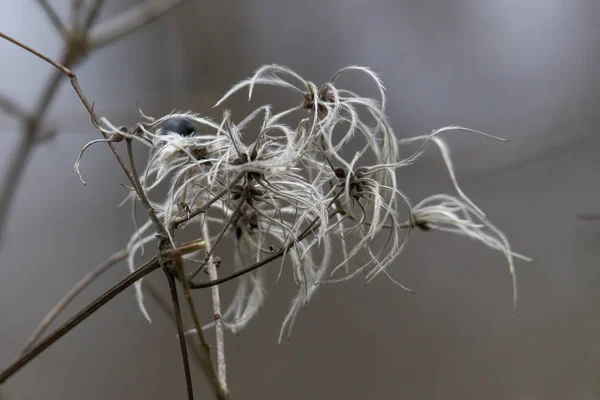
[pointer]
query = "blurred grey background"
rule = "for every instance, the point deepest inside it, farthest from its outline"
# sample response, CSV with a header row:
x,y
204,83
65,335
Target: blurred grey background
x,y
524,70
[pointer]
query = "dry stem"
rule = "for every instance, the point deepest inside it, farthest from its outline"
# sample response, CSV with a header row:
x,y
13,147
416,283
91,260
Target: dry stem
x,y
203,346
180,333
166,307
219,328
54,18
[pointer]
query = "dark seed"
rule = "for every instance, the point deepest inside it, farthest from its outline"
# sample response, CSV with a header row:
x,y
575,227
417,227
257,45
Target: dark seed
x,y
181,126
423,226
339,172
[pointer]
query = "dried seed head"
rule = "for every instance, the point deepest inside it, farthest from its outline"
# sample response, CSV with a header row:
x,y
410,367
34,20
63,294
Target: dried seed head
x,y
284,185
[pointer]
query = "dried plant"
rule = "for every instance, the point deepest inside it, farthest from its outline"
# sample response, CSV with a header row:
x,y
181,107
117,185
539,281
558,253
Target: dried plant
x,y
291,196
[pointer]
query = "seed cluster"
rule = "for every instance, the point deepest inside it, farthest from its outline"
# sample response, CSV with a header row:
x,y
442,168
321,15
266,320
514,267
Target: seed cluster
x,y
327,165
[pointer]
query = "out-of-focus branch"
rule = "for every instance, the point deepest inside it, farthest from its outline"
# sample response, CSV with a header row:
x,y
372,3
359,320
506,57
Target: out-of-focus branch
x,y
92,15
54,18
12,178
130,21
588,217
28,138
77,45
12,108
75,17
76,48
62,69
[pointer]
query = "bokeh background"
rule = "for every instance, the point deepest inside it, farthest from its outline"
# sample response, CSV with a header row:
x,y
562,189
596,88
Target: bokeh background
x,y
524,70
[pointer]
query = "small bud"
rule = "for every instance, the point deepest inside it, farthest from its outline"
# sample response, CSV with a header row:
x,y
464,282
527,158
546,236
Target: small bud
x,y
217,261
254,154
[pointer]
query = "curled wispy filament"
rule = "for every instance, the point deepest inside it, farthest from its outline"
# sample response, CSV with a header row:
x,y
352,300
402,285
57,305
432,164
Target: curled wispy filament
x,y
298,187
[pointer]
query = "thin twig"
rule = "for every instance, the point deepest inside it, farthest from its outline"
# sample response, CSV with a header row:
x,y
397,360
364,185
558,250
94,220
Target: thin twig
x,y
180,333
76,8
71,294
210,249
90,277
75,49
54,18
175,224
56,65
167,308
81,316
77,88
314,224
203,346
131,175
92,15
219,328
130,21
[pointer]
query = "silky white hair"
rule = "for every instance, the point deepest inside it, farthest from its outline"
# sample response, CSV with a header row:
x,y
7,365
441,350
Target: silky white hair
x,y
297,187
